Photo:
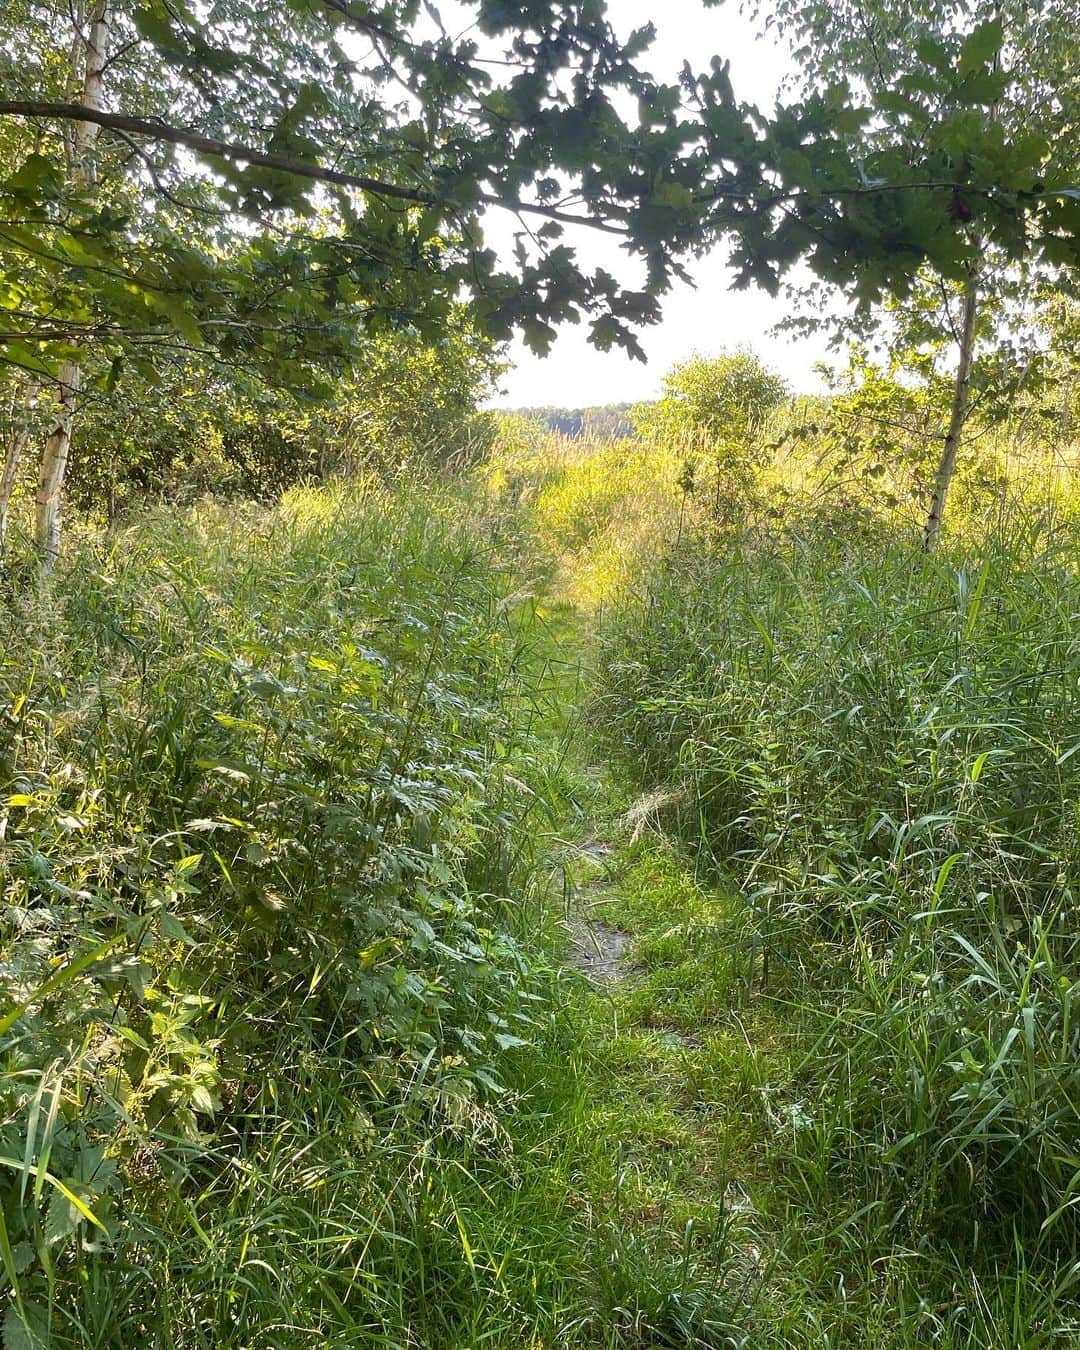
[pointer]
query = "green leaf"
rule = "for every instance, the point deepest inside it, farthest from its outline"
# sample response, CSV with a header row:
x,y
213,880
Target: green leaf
x,y
985,87
62,1218
173,930
56,981
203,1100
673,195
891,100
934,53
38,177
981,46
26,1330
23,1257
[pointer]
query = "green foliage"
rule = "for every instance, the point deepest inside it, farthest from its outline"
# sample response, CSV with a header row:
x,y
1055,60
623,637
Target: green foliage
x,y
192,431
588,507
591,497
195,430
260,250
719,401
331,214
856,462
330,208
876,435
261,814
869,448
961,84
291,802
713,409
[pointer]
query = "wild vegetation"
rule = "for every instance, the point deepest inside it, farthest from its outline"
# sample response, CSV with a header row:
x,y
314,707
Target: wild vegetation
x,y
853,859
296,815
591,878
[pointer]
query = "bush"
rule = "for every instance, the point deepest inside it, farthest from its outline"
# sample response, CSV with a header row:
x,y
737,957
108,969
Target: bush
x,y
712,412
195,430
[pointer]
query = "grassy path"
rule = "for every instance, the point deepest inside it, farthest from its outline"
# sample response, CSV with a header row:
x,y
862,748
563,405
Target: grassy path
x,y
643,1104
677,1066
674,1189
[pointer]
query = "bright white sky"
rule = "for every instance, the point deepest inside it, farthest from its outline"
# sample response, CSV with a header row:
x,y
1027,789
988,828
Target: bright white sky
x,y
707,318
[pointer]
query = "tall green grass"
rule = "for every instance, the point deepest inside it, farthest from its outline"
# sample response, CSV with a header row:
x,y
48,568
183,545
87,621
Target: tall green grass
x,y
881,753
288,1055
289,1051
265,817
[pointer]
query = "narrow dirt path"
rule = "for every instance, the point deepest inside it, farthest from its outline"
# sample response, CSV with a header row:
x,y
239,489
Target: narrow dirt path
x,y
596,948
671,1066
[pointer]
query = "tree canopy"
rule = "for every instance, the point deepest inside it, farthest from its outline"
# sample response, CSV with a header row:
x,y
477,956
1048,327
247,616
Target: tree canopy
x,y
272,185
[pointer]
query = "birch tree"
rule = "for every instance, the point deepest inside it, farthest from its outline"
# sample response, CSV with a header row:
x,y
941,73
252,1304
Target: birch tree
x,y
1011,71
90,52
23,401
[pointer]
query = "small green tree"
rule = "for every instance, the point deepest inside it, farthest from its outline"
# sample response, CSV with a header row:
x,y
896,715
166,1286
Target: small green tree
x,y
713,407
875,435
960,88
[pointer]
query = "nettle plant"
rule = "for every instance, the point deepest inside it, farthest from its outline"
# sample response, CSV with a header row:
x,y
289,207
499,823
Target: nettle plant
x,y
260,808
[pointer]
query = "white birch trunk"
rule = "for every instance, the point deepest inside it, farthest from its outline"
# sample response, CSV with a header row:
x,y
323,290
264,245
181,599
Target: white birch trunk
x,y
74,83
957,419
93,91
12,460
16,446
54,460
57,449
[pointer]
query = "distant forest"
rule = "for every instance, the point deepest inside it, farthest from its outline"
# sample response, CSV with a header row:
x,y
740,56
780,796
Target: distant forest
x,y
610,421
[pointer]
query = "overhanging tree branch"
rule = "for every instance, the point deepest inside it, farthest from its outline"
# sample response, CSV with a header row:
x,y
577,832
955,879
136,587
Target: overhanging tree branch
x,y
299,168
157,130
208,145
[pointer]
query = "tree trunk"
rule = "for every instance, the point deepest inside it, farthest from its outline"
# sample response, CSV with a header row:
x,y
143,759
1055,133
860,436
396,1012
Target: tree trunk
x,y
83,172
77,15
12,460
53,464
16,446
961,400
93,92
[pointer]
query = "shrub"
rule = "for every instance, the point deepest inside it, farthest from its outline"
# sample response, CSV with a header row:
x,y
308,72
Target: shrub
x,y
712,411
194,429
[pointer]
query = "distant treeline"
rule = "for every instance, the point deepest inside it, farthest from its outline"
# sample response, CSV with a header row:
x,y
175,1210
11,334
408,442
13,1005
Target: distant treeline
x,y
610,421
